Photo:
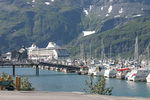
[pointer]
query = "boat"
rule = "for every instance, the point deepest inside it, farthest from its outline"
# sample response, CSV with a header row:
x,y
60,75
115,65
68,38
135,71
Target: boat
x,y
100,70
68,70
122,72
110,73
127,75
97,71
138,75
57,69
83,70
91,70
148,78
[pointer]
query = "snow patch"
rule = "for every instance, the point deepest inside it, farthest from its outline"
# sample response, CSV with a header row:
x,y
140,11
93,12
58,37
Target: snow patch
x,y
107,15
121,10
28,2
88,32
52,0
33,0
116,16
47,3
137,15
102,8
85,11
110,9
91,7
110,0
127,17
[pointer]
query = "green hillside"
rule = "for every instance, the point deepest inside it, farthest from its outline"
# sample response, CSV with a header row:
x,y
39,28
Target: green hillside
x,y
24,22
121,39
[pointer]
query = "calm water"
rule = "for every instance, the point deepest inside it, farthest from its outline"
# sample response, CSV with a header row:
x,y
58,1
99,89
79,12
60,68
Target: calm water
x,y
58,81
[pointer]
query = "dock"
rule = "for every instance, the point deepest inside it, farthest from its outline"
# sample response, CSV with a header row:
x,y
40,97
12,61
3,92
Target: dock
x,y
35,64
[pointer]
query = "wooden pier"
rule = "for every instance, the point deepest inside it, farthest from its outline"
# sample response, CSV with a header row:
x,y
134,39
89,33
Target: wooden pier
x,y
14,64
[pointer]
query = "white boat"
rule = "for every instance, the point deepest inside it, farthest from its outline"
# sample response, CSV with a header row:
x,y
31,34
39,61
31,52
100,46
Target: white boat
x,y
148,78
110,73
138,75
127,75
83,70
68,70
97,71
57,69
91,70
122,72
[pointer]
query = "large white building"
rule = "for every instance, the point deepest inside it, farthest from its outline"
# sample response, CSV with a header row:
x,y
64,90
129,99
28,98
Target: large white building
x,y
51,52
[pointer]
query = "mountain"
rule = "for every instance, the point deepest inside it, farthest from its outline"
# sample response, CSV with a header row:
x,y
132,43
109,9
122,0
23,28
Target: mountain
x,y
120,41
24,22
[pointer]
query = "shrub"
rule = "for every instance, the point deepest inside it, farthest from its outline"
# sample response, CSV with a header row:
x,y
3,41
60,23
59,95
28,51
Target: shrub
x,y
98,87
26,85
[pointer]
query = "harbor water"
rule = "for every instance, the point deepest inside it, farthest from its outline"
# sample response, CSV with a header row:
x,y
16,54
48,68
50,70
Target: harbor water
x,y
64,82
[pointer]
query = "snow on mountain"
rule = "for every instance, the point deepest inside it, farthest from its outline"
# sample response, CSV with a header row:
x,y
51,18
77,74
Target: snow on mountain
x,y
47,3
86,12
121,10
117,8
33,1
110,9
86,33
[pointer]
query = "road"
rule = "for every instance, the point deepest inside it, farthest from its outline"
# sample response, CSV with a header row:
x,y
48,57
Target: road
x,y
38,95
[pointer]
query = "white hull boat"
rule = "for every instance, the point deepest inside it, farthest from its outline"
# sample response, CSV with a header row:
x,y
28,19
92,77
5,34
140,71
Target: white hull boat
x,y
148,78
121,73
138,75
110,73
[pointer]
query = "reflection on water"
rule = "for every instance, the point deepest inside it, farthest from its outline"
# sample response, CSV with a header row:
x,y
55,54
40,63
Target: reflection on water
x,y
58,81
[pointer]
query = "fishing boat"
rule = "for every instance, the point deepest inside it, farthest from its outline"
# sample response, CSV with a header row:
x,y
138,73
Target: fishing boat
x,y
97,71
148,78
127,75
83,70
57,69
91,70
138,75
68,70
122,72
110,73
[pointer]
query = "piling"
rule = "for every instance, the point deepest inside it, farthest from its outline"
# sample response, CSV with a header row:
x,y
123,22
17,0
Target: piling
x,y
18,83
37,70
13,70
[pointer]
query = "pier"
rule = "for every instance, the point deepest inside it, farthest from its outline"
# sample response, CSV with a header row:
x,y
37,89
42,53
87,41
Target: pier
x,y
35,64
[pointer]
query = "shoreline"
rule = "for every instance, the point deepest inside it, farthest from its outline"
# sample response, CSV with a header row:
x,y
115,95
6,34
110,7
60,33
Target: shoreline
x,y
46,95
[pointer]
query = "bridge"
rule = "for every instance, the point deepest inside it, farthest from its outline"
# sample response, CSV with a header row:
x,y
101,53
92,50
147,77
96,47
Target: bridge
x,y
3,64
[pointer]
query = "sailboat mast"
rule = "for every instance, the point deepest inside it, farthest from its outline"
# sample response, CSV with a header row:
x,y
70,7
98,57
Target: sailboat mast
x,y
103,51
110,51
148,53
136,50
